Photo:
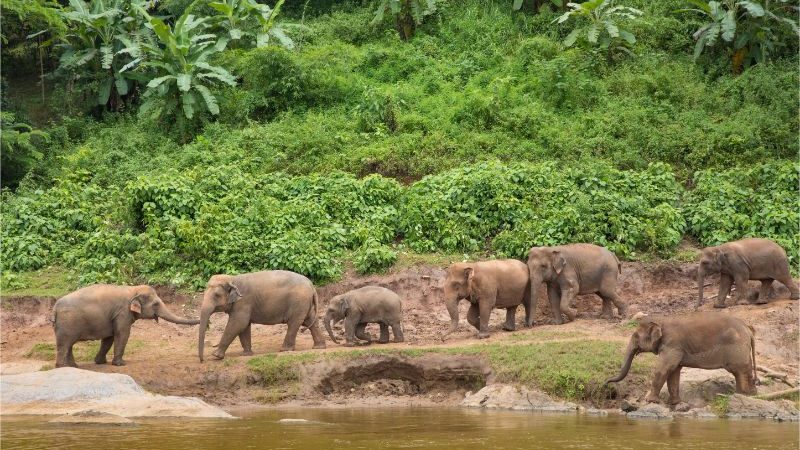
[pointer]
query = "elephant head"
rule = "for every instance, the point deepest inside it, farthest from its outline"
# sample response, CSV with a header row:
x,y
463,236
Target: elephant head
x,y
220,294
457,286
146,304
646,338
337,310
544,265
712,260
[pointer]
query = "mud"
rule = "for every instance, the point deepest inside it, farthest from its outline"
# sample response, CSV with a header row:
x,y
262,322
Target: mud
x,y
163,357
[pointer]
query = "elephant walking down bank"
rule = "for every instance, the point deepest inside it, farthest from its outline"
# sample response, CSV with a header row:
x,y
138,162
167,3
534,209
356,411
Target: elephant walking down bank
x,y
741,261
105,312
701,340
359,307
487,285
569,270
268,298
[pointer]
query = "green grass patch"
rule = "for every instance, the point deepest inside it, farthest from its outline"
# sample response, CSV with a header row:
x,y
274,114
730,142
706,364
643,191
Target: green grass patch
x,y
721,405
49,282
544,336
276,370
83,351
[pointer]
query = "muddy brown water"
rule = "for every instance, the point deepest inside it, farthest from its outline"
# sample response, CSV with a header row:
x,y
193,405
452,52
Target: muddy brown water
x,y
396,428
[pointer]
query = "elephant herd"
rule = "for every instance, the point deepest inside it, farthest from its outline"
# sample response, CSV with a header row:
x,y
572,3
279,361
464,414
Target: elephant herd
x,y
710,341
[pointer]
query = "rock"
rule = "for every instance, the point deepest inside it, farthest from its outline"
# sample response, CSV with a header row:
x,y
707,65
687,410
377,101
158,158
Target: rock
x,y
13,368
699,387
743,407
682,407
68,390
94,417
503,396
651,411
627,406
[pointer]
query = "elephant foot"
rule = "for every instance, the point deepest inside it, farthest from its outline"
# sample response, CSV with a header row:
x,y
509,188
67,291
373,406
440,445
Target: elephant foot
x,y
607,316
383,341
652,399
285,348
247,353
794,297
100,361
399,340
319,346
483,335
528,324
761,302
218,354
116,362
719,306
509,328
349,344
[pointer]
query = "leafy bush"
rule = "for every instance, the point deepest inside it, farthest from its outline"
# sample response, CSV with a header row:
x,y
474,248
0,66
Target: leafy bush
x,y
373,257
756,201
522,205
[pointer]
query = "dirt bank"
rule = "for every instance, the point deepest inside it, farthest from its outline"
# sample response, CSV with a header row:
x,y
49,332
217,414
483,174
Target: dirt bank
x,y
162,357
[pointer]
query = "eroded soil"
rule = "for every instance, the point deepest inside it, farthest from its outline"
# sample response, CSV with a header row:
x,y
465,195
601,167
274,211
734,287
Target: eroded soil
x,y
162,357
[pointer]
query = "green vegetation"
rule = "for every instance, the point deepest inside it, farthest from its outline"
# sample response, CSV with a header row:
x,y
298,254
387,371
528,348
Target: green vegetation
x,y
314,141
52,281
83,351
275,370
721,405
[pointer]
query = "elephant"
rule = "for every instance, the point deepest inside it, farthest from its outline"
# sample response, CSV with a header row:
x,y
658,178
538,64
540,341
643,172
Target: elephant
x,y
569,270
501,283
743,260
269,297
105,312
701,340
359,307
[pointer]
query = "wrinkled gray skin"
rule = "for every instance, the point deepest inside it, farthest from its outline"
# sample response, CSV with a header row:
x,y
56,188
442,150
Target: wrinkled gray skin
x,y
743,260
702,340
570,270
268,298
105,312
359,307
487,285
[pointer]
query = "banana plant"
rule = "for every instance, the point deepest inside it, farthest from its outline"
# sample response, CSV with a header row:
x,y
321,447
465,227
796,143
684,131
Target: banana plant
x,y
598,26
750,31
408,14
248,20
182,76
99,33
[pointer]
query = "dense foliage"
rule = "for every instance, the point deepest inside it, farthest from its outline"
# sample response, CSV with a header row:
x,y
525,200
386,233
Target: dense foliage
x,y
483,133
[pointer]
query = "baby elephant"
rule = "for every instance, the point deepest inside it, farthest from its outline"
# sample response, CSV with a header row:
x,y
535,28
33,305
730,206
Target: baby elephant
x,y
359,307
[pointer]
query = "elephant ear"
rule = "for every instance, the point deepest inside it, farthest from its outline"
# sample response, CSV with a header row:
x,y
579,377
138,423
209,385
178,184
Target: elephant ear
x,y
469,274
558,262
135,304
233,293
654,331
344,306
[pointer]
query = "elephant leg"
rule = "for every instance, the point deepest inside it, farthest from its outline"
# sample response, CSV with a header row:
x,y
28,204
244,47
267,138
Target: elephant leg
x,y
610,297
71,357
245,338
764,292
316,333
529,309
786,280
485,308
745,384
121,335
725,282
567,298
673,386
105,346
397,331
384,338
291,335
607,312
511,315
667,364
554,295
351,323
63,350
361,333
238,321
740,279
473,316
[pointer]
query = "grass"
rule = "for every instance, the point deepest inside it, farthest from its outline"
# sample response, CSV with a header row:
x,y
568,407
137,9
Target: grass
x,y
721,405
276,370
84,351
544,336
49,282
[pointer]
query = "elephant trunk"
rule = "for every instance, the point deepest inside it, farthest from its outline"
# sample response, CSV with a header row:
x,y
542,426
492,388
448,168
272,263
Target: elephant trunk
x,y
205,315
536,282
701,275
626,366
452,308
166,314
329,326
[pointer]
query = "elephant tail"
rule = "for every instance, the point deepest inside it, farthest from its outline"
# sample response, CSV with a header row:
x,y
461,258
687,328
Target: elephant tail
x,y
314,305
753,352
619,264
53,317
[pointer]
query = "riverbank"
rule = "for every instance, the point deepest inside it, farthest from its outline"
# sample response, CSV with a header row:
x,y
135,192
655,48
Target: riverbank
x,y
567,363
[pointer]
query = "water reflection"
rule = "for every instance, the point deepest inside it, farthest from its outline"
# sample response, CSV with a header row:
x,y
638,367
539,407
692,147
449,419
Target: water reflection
x,y
402,429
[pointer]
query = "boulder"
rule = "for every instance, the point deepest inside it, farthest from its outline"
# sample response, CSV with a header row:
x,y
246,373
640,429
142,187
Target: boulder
x,y
651,411
68,391
93,417
699,387
503,396
743,407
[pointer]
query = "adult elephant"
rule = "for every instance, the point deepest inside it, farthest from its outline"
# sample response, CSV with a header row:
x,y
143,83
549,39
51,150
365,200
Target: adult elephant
x,y
105,312
268,298
743,260
362,306
701,340
501,283
569,270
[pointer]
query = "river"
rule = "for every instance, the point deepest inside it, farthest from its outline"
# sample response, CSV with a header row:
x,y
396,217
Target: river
x,y
401,428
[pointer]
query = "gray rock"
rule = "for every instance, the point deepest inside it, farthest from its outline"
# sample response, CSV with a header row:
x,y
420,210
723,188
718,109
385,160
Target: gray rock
x,y
743,407
596,412
91,416
652,411
627,406
503,396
